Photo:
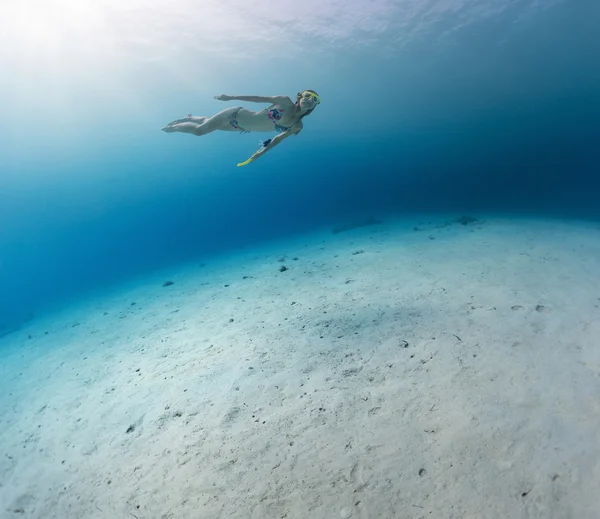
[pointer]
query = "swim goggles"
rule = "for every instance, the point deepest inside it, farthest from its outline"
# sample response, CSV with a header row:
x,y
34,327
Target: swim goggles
x,y
316,98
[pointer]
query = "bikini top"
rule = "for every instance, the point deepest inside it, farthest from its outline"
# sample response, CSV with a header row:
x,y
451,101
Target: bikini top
x,y
274,114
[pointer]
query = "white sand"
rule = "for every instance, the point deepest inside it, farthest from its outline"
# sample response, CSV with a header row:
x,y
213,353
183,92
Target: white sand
x,y
309,404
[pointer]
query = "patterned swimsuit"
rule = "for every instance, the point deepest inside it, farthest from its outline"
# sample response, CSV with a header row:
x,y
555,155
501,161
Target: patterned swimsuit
x,y
233,121
273,114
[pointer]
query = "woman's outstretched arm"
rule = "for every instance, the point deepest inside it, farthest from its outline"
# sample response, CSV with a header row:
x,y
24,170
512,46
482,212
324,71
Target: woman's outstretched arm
x,y
254,99
271,143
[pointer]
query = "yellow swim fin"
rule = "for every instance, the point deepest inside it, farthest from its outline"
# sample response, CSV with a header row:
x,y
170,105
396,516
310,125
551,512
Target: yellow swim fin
x,y
246,162
263,145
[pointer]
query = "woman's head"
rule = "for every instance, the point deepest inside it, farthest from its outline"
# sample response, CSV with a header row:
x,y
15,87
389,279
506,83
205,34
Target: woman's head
x,y
307,100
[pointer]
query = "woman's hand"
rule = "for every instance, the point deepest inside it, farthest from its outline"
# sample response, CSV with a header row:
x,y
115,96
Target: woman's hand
x,y
223,97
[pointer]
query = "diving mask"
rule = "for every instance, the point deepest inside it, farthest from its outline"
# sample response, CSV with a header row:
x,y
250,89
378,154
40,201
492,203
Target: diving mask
x,y
307,95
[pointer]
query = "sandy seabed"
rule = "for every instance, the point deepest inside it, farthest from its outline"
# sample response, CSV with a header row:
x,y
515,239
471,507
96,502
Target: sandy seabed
x,y
412,369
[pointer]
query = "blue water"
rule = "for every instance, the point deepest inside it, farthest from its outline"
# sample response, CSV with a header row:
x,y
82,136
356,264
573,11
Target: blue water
x,y
427,106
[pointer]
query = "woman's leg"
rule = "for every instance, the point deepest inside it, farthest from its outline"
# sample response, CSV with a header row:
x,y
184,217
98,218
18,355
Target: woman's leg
x,y
189,118
176,125
203,125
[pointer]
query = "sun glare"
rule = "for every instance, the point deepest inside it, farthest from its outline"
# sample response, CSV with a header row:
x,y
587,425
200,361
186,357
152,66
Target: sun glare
x,y
46,32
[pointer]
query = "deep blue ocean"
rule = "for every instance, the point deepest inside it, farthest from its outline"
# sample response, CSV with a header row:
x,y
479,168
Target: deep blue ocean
x,y
429,106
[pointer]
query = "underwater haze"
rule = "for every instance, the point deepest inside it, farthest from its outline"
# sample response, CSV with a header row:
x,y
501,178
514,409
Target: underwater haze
x,y
393,314
427,106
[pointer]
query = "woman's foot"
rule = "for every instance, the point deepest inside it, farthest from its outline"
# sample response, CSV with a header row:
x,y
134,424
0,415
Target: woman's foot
x,y
170,127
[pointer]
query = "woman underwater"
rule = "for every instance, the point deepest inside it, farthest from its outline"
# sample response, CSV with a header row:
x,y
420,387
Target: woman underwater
x,y
283,115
